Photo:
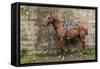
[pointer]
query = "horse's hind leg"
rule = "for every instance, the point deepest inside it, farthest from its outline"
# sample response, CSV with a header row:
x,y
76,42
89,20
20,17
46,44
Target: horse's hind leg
x,y
82,40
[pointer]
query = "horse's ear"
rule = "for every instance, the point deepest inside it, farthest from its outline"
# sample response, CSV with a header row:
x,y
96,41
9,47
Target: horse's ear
x,y
50,13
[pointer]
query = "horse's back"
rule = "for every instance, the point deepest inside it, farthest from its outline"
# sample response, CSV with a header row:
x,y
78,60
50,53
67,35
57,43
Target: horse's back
x,y
69,26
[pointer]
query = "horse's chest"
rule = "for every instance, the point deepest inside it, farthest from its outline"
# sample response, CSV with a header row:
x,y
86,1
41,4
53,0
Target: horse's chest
x,y
61,32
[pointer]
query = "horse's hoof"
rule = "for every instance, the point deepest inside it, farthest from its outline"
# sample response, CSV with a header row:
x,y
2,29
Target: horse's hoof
x,y
63,58
71,55
59,56
45,52
81,53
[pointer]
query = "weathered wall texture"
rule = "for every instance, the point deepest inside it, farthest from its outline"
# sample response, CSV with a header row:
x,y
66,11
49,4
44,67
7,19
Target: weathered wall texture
x,y
37,38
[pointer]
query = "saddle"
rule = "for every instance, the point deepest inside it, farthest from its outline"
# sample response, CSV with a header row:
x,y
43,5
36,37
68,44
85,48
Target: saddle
x,y
69,26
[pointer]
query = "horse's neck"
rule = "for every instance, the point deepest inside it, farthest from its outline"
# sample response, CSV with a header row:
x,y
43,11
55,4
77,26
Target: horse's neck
x,y
57,23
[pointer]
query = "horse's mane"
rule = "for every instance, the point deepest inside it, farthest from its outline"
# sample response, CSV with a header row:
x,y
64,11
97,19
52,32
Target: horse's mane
x,y
57,19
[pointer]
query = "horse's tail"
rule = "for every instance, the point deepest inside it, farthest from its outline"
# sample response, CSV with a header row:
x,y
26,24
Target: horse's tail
x,y
86,31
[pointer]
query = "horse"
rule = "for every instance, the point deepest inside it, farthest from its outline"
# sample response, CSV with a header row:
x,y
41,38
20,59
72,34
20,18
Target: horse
x,y
81,31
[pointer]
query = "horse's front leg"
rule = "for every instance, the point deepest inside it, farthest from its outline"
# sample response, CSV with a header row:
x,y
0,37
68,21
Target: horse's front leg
x,y
62,51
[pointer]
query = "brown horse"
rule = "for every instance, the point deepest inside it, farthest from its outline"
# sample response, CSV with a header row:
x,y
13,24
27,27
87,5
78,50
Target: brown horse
x,y
62,33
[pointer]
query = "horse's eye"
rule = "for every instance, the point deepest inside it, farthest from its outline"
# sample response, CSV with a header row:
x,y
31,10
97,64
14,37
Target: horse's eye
x,y
48,17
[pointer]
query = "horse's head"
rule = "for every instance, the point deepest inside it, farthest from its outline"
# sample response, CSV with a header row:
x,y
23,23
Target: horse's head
x,y
48,19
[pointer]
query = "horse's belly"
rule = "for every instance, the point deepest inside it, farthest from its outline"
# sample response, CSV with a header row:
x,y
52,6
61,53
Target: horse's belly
x,y
71,34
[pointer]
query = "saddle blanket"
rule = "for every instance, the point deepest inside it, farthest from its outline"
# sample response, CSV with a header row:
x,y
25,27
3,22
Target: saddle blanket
x,y
69,26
